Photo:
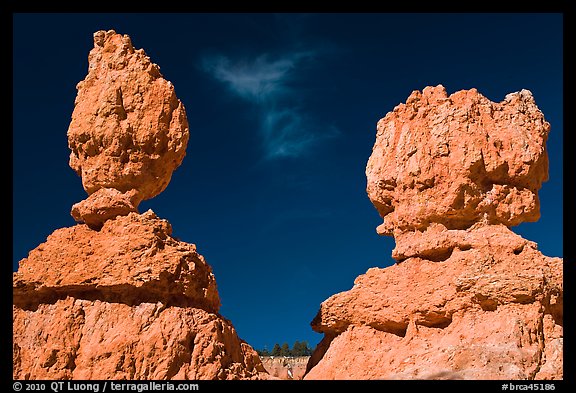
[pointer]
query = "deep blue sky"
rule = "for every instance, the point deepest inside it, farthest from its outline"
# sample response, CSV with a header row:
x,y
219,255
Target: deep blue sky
x,y
282,111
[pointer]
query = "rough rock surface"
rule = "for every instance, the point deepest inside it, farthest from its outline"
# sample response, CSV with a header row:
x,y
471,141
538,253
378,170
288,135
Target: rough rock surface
x,y
129,131
126,302
485,312
104,204
478,161
287,368
78,338
118,297
130,260
467,298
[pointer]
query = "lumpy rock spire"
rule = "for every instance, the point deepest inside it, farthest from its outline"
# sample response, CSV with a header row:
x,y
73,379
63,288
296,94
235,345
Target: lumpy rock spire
x,y
457,160
128,132
116,296
467,298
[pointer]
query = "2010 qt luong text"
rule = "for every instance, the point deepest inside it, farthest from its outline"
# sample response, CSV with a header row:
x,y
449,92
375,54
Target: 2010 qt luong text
x,y
126,386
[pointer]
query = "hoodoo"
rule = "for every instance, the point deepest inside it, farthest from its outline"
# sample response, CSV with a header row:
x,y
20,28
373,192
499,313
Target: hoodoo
x,y
467,298
116,296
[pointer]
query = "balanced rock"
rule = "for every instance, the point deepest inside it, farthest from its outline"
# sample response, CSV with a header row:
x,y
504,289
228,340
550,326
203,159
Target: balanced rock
x,y
128,132
457,160
116,296
467,297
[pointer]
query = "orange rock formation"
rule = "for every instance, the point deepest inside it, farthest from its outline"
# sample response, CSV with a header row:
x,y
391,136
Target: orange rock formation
x,y
116,296
128,131
467,298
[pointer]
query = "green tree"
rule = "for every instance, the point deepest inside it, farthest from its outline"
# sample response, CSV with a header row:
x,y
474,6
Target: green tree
x,y
285,350
263,352
298,348
276,351
301,348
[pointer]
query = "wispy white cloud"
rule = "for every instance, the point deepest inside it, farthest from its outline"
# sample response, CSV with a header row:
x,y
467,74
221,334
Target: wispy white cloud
x,y
287,129
260,79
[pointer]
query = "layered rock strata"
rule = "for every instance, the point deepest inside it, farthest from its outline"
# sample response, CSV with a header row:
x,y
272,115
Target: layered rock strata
x,y
286,368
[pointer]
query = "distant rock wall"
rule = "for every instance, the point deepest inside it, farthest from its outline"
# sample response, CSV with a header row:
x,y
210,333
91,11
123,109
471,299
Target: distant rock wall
x,y
283,367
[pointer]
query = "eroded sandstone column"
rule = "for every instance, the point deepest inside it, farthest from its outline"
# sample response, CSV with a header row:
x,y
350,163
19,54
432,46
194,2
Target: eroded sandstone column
x,y
128,132
467,297
116,296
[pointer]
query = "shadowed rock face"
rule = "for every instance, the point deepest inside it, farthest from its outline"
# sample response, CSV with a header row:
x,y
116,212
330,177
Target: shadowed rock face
x,y
128,132
116,296
468,298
